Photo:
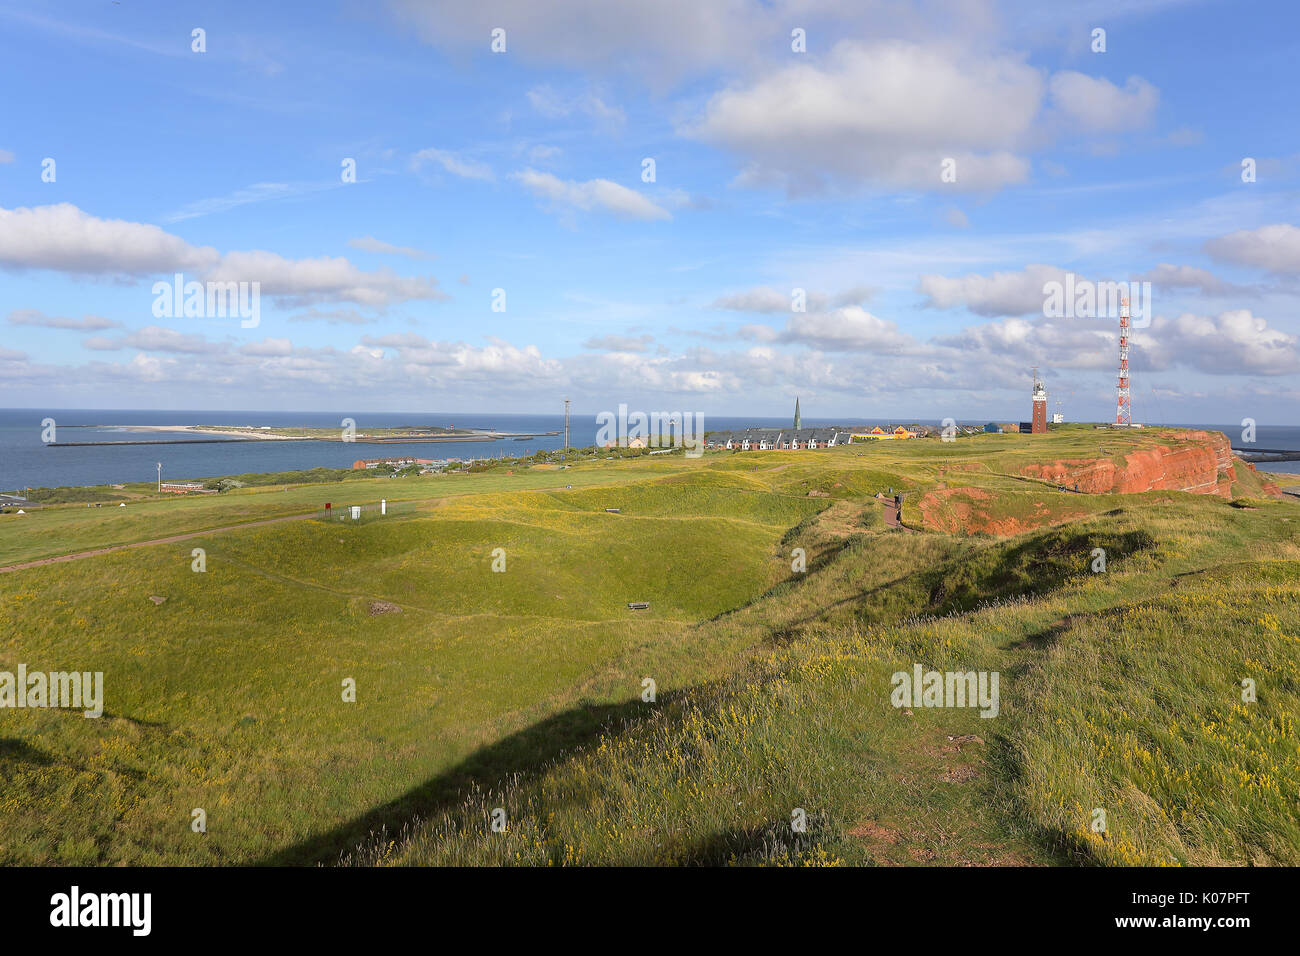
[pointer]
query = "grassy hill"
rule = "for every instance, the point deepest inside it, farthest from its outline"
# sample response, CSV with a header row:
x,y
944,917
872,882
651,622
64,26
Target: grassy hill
x,y
522,690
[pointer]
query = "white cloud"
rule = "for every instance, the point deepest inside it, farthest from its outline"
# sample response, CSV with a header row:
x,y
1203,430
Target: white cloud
x,y
619,343
847,353
454,164
149,368
266,348
887,113
99,343
956,218
549,103
334,317
154,338
1167,276
1275,248
765,299
1233,342
661,40
327,278
542,153
848,329
34,317
592,194
1095,104
756,333
1002,293
371,244
761,299
1008,346
66,239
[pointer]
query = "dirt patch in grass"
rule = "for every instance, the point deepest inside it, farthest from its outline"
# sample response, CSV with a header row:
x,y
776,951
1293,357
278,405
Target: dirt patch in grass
x,y
970,510
873,832
841,520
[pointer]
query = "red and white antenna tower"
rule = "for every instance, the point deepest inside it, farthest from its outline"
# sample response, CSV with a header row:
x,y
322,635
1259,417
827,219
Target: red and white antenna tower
x,y
1123,410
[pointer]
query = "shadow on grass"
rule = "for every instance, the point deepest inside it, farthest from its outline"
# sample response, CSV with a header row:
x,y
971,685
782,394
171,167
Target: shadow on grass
x,y
14,752
19,751
1005,794
742,846
820,561
522,754
1000,570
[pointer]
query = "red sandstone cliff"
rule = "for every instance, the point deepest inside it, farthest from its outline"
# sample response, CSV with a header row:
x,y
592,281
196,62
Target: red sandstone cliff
x,y
1202,462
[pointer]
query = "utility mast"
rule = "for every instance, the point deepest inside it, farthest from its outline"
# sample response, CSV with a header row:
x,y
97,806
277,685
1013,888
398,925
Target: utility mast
x,y
1123,409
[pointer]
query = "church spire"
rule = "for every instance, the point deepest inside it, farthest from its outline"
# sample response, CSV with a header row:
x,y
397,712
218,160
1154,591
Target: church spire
x,y
798,419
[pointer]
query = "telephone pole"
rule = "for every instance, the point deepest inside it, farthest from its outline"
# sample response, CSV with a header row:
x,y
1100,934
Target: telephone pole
x,y
566,426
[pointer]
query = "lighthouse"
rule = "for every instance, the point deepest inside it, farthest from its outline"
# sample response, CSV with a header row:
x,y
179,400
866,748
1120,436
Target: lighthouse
x,y
1040,406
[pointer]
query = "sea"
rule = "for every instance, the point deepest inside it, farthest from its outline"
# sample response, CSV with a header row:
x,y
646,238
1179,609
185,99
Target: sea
x,y
26,461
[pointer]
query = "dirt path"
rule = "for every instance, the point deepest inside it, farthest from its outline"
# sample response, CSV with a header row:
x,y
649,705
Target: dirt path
x,y
891,518
144,544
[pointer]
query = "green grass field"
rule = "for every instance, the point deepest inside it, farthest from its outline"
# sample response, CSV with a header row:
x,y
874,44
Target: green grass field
x,y
523,689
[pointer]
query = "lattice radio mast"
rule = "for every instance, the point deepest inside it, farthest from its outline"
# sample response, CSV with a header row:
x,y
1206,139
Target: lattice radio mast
x,y
1123,408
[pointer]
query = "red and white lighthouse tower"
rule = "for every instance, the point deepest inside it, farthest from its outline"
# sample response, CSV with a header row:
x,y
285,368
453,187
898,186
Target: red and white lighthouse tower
x,y
1123,410
1039,426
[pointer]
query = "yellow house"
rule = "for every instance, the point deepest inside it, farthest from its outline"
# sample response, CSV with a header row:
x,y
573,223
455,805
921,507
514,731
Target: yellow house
x,y
879,434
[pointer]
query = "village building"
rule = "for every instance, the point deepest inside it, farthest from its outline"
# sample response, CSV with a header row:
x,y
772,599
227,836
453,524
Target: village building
x,y
778,439
881,434
180,487
361,463
799,438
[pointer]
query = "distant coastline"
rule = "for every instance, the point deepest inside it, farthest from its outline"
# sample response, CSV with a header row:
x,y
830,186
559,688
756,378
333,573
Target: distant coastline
x,y
202,430
201,444
245,433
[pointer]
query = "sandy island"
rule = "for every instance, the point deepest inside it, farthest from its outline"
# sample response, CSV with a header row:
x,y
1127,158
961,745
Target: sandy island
x,y
239,431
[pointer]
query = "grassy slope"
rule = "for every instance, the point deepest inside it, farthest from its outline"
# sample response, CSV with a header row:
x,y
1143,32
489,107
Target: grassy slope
x,y
227,696
67,528
1117,693
522,690
1121,691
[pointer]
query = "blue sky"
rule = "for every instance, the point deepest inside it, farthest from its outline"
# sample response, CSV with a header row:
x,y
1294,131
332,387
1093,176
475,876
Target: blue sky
x,y
775,170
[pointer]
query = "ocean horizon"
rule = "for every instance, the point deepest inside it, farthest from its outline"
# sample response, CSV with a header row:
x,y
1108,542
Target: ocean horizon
x,y
28,462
